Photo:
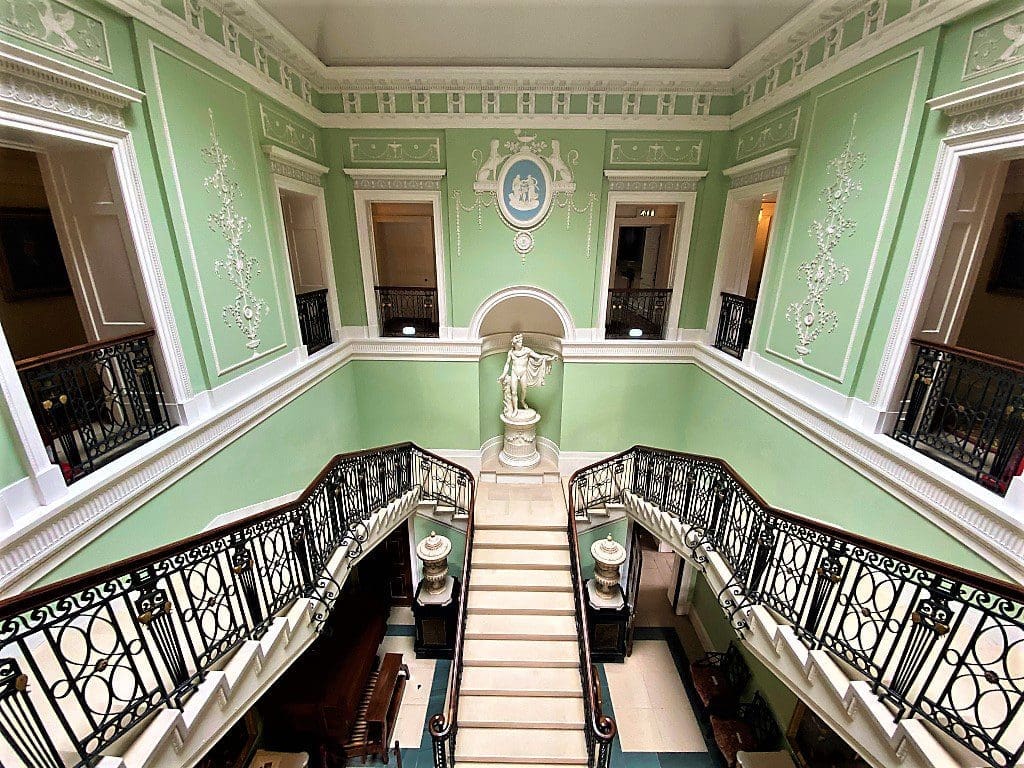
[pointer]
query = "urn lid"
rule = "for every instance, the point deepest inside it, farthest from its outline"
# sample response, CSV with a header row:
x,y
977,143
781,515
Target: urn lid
x,y
433,548
608,552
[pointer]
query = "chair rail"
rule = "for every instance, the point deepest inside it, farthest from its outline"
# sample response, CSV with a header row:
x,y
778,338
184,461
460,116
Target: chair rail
x,y
933,639
85,660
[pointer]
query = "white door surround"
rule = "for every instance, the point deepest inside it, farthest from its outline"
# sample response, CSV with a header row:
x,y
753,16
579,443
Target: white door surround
x,y
295,174
387,185
677,188
46,101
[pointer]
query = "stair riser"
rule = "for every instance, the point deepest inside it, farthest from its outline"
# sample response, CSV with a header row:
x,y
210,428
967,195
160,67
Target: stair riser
x,y
463,723
515,588
481,547
518,760
575,693
478,635
518,527
514,566
520,611
547,664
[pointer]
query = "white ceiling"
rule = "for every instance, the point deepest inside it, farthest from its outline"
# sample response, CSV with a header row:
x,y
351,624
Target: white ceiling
x,y
571,33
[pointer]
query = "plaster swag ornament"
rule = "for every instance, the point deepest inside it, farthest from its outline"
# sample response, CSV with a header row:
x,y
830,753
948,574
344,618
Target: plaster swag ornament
x,y
810,316
524,368
523,179
248,310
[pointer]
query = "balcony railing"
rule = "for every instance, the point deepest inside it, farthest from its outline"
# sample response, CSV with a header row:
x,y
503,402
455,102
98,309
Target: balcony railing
x,y
407,311
637,313
734,323
95,402
931,639
966,410
86,660
314,319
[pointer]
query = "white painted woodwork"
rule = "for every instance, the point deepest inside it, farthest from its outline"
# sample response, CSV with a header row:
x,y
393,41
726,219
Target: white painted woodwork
x,y
302,231
96,240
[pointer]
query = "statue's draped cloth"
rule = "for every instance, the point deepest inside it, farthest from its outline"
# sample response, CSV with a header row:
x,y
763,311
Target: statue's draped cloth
x,y
536,370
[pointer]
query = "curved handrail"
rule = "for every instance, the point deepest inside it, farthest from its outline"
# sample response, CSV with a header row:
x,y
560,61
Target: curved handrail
x,y
925,633
601,728
443,726
86,659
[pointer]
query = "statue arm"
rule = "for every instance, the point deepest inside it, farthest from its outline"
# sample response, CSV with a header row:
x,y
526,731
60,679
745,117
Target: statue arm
x,y
504,371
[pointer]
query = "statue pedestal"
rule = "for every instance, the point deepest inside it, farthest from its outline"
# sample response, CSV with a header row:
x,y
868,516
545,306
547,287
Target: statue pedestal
x,y
520,446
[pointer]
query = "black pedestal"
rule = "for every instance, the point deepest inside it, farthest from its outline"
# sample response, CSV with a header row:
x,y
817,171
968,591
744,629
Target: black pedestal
x,y
436,624
607,628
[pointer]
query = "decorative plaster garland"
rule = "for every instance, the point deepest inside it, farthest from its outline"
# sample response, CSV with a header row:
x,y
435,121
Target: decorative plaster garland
x,y
247,311
809,316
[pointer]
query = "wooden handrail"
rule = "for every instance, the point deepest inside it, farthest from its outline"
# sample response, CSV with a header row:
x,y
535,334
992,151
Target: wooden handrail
x,y
981,357
998,586
29,363
33,597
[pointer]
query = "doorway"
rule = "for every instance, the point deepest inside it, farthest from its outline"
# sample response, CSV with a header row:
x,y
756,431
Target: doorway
x,y
405,268
746,233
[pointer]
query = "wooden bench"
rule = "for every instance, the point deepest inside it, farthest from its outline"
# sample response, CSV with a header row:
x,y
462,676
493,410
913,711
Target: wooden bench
x,y
751,729
720,679
378,710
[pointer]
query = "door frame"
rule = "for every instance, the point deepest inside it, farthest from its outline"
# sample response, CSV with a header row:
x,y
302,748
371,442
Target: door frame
x,y
92,114
282,181
685,202
374,185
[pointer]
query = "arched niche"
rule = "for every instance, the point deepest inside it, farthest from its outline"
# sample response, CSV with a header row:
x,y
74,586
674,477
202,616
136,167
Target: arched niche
x,y
544,322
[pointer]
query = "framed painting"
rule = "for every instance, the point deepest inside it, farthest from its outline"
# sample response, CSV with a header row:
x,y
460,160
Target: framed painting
x,y
1008,271
31,263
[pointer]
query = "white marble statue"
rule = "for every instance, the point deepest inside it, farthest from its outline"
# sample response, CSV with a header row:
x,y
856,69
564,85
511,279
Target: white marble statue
x,y
523,368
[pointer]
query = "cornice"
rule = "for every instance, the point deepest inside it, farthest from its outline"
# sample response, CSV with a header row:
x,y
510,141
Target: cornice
x,y
396,178
47,71
285,163
980,96
653,181
771,166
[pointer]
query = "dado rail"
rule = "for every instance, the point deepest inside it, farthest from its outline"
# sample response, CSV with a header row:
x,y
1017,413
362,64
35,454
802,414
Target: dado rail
x,y
84,661
932,641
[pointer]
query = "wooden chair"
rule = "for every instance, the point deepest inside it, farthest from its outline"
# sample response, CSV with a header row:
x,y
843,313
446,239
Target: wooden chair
x,y
720,679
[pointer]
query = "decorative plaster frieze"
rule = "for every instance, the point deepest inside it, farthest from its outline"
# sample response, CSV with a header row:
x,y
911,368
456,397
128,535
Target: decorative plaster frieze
x,y
765,168
995,45
649,151
771,135
985,107
30,81
285,131
59,26
288,164
398,150
415,179
654,181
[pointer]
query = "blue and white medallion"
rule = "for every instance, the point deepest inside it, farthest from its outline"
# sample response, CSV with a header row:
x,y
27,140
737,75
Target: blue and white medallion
x,y
524,191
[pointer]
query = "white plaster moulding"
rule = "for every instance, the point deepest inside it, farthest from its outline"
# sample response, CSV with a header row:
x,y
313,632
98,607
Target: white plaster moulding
x,y
980,96
765,161
299,162
614,122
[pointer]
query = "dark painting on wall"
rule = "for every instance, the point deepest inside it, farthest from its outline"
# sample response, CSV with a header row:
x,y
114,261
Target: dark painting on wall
x,y
815,745
1008,271
31,264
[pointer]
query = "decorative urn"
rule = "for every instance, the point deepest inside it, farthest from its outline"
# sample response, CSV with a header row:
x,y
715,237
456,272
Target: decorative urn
x,y
434,551
608,556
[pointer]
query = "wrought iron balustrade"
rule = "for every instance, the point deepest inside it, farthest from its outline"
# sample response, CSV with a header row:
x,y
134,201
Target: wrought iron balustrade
x,y
932,639
735,320
314,319
637,313
407,311
966,410
599,729
95,402
85,660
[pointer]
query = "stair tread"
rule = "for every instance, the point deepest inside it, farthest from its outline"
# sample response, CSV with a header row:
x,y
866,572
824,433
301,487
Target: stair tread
x,y
518,539
520,712
510,603
483,626
534,653
543,559
520,580
521,745
521,681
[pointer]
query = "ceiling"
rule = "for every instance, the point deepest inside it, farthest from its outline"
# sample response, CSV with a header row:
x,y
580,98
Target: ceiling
x,y
568,33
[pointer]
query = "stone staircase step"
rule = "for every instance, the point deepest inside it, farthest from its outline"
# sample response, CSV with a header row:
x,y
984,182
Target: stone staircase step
x,y
520,580
525,627
515,603
520,745
522,712
508,682
520,559
520,539
521,653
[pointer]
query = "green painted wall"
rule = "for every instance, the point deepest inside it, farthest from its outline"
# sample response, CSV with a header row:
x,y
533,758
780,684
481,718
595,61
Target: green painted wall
x,y
308,431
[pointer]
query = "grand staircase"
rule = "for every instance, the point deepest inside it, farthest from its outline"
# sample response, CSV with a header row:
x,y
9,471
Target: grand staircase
x,y
520,698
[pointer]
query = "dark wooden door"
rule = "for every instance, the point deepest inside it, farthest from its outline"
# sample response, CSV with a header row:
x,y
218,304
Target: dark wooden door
x,y
399,565
634,573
